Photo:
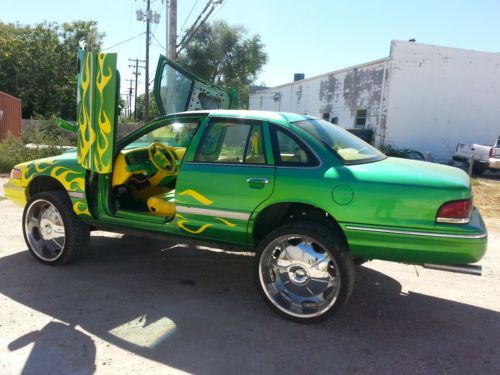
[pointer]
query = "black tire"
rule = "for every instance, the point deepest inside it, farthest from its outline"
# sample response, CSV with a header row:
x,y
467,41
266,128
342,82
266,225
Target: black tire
x,y
74,240
340,268
478,169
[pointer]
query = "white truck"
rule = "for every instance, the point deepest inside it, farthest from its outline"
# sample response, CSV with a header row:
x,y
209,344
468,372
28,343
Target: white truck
x,y
484,157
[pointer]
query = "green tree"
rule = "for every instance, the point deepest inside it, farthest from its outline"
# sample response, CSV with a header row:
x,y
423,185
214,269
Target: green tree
x,y
225,55
154,112
38,64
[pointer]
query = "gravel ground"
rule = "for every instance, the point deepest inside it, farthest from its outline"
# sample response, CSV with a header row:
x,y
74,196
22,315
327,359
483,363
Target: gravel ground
x,y
141,306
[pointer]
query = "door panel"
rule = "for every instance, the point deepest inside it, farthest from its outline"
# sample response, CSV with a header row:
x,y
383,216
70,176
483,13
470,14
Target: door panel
x,y
97,96
177,90
218,190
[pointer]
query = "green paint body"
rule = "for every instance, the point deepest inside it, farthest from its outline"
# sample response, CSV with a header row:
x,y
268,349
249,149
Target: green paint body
x,y
391,195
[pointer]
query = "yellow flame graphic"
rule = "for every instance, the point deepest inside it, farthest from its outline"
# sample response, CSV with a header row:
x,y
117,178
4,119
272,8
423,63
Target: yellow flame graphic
x,y
197,196
103,119
181,225
229,224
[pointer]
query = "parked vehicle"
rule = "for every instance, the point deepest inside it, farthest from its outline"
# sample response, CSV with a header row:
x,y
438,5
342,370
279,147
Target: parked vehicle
x,y
485,157
309,198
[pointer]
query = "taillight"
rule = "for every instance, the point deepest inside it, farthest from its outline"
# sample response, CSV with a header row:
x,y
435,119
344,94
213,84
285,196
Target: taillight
x,y
455,212
15,173
492,152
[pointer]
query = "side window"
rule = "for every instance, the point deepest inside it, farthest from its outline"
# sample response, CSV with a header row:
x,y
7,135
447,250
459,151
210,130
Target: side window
x,y
230,141
289,151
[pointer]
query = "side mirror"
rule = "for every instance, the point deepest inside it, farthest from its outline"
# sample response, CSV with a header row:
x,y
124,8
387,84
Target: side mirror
x,y
66,125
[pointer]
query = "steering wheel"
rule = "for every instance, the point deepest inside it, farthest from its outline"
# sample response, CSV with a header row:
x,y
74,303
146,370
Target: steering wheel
x,y
162,158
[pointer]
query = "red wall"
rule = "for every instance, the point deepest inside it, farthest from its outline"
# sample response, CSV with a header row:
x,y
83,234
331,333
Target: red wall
x,y
10,115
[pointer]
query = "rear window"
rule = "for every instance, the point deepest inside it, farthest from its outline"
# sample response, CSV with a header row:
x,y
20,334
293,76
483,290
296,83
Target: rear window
x,y
351,149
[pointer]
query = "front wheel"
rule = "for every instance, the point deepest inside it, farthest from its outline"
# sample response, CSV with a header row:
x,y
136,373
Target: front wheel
x,y
52,231
304,271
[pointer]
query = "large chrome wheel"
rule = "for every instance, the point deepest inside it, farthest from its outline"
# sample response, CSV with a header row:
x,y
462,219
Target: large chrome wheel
x,y
44,229
52,231
304,271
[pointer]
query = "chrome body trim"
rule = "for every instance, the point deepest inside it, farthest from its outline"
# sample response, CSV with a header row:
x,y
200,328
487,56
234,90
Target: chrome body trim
x,y
257,180
76,194
469,269
413,233
211,212
11,187
449,220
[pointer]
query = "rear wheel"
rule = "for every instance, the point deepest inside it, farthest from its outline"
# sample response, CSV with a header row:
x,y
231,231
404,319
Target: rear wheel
x,y
478,169
304,271
51,229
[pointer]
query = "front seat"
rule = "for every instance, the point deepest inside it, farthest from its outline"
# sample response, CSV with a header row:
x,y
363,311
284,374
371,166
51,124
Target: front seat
x,y
162,204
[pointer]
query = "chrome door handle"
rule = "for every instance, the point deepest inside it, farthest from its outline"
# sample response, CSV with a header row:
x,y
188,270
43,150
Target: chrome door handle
x,y
257,180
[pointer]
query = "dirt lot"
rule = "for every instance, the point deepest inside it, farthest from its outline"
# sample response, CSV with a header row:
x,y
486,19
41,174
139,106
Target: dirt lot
x,y
487,194
143,306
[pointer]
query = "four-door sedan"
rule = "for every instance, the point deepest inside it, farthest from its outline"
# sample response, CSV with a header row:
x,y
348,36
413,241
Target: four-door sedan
x,y
311,199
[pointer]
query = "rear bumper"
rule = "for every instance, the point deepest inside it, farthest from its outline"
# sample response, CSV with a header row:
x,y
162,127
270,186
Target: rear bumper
x,y
491,163
15,192
494,163
459,245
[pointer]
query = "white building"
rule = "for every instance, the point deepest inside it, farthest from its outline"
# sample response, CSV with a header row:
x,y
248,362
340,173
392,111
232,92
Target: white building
x,y
423,97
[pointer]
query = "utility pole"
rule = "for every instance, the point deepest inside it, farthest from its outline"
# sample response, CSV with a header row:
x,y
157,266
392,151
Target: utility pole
x,y
136,73
129,96
126,109
147,17
148,40
172,31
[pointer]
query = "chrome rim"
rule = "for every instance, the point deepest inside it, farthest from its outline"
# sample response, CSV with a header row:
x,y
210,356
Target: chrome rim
x,y
44,230
299,276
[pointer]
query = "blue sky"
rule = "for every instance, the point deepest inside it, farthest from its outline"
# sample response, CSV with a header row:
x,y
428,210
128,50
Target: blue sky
x,y
311,37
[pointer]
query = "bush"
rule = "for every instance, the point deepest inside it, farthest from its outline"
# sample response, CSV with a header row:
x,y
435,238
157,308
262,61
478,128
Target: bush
x,y
405,153
46,132
14,151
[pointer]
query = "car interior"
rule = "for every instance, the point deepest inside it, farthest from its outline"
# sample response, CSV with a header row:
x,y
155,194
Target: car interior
x,y
145,171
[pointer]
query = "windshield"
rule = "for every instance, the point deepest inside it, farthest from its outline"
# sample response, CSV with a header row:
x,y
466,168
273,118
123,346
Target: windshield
x,y
178,134
350,148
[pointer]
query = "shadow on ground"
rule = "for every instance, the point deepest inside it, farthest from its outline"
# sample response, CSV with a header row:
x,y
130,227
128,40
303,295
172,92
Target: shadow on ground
x,y
131,292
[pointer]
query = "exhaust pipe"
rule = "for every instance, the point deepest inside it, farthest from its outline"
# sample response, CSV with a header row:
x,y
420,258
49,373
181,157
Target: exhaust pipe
x,y
469,269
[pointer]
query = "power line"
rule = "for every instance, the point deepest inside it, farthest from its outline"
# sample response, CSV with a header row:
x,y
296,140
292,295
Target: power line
x,y
189,15
218,10
195,27
194,24
157,41
125,41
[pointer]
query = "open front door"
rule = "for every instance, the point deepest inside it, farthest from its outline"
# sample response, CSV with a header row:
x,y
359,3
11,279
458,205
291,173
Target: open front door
x,y
97,98
178,90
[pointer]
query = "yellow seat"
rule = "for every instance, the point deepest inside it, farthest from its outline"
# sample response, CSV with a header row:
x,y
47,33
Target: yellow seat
x,y
161,205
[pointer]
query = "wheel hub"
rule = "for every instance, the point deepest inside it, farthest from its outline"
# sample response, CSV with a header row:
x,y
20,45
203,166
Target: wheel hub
x,y
298,274
46,229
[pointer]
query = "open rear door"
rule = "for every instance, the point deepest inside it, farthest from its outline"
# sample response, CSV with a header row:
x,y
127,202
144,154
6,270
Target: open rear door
x,y
178,90
97,98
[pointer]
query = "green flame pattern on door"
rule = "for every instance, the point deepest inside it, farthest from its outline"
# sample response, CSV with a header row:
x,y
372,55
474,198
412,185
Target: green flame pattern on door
x,y
98,84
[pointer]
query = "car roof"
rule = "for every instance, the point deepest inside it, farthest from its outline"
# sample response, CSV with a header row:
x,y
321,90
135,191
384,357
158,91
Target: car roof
x,y
280,117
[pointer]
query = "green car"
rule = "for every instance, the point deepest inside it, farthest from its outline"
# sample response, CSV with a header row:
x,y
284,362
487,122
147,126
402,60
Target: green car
x,y
310,199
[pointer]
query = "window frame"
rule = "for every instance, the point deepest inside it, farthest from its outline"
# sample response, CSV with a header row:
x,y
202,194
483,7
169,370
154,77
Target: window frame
x,y
314,160
365,117
243,121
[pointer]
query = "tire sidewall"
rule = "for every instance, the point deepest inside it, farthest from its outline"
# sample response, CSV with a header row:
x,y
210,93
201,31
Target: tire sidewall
x,y
331,242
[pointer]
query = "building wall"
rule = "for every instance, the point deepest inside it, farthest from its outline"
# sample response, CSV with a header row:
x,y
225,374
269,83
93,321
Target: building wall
x,y
10,115
439,96
423,97
338,94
